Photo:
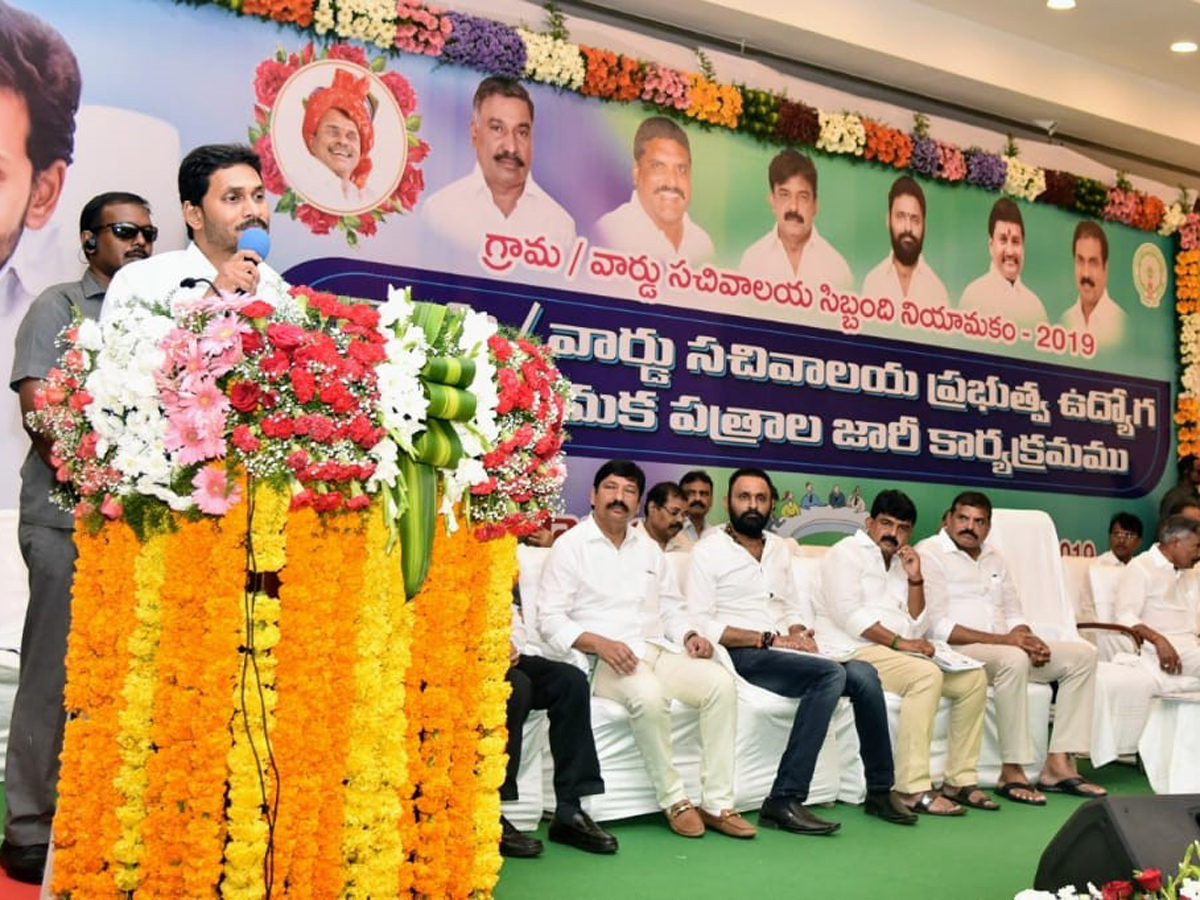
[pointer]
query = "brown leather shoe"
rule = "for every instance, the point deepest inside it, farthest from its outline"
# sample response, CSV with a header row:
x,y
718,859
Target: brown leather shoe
x,y
684,820
728,822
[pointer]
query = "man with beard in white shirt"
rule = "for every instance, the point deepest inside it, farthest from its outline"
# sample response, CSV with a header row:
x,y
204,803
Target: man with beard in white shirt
x,y
607,590
793,250
499,196
1094,311
656,220
741,593
904,274
1000,290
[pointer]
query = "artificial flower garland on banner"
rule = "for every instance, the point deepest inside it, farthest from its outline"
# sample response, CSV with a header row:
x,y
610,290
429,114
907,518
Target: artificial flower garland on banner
x,y
209,447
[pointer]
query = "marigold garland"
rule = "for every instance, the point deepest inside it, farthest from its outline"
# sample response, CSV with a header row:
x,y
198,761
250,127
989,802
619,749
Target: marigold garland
x,y
314,673
198,663
376,765
249,752
135,719
86,826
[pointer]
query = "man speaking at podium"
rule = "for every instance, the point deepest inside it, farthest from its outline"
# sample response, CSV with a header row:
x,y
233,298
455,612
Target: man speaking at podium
x,y
221,189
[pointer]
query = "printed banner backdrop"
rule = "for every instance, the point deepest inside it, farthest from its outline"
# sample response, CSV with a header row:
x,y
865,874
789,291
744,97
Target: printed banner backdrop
x,y
716,358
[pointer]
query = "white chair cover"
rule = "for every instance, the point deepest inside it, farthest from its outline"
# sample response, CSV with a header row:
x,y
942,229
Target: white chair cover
x,y
14,598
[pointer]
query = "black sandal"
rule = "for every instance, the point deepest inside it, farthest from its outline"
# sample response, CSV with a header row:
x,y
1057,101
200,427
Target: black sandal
x,y
964,794
1008,792
924,805
1073,786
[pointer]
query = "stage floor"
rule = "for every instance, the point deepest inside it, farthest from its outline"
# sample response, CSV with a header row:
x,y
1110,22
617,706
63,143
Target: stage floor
x,y
984,855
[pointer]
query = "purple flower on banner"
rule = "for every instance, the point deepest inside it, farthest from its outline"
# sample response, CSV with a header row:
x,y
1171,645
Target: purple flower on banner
x,y
486,45
925,159
986,169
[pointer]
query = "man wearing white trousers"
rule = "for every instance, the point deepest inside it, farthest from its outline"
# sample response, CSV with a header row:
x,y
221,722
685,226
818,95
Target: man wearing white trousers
x,y
608,591
973,602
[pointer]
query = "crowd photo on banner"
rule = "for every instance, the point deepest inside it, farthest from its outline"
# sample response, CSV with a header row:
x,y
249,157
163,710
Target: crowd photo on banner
x,y
587,428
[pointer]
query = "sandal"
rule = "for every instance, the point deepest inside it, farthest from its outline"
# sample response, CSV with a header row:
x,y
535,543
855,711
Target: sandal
x,y
971,795
1073,786
1008,791
924,805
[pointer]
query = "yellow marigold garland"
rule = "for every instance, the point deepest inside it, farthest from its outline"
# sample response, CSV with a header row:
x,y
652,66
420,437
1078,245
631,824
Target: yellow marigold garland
x,y
135,718
198,662
500,559
376,767
248,761
86,826
267,528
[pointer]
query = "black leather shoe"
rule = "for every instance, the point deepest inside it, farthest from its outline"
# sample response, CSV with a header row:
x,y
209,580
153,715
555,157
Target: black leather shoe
x,y
791,815
24,864
580,831
888,807
516,845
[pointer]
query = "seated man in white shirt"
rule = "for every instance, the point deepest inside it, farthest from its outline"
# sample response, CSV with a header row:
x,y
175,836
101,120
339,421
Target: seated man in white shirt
x,y
221,189
562,690
608,591
499,196
740,590
1094,311
1000,290
874,609
697,487
665,513
656,220
793,250
904,274
973,602
1157,596
1124,541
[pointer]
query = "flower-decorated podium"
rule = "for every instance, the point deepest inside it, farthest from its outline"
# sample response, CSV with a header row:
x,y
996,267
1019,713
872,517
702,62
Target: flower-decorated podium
x,y
296,533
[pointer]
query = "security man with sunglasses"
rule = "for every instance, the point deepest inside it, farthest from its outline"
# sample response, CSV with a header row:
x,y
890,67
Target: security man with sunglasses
x,y
114,229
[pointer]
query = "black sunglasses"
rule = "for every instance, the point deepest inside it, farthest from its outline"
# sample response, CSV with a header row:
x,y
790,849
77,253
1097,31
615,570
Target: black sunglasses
x,y
127,231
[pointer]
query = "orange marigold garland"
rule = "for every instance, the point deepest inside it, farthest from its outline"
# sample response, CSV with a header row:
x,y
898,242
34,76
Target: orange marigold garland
x,y
319,598
198,662
86,826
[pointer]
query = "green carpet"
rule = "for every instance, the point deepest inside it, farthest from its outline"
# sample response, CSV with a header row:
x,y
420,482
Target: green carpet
x,y
981,856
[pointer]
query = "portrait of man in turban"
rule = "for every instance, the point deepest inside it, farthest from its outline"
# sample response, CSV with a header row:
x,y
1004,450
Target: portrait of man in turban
x,y
339,133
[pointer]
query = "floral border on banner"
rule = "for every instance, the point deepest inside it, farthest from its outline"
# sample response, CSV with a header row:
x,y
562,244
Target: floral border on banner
x,y
270,76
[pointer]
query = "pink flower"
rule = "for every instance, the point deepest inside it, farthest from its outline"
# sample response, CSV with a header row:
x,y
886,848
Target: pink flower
x,y
213,493
111,507
221,332
193,441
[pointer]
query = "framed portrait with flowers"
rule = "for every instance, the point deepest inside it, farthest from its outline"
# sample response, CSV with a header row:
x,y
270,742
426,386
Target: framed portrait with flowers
x,y
336,131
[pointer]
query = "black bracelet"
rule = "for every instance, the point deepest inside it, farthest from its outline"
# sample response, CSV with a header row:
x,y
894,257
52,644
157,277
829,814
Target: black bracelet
x,y
768,638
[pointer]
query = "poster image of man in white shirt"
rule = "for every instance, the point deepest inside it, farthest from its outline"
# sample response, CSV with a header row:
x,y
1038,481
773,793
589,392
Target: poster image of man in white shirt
x,y
904,274
793,250
608,591
1000,290
1094,311
499,196
656,219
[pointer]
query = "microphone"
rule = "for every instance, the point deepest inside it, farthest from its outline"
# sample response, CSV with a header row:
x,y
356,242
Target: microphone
x,y
255,239
190,283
